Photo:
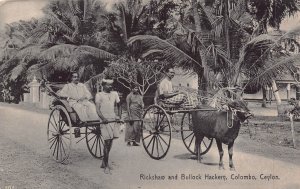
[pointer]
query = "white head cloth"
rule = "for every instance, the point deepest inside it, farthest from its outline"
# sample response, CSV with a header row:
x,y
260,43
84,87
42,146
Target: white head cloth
x,y
108,81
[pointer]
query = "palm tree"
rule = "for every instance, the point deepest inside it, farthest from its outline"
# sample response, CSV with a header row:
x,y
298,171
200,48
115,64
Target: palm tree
x,y
64,40
257,48
270,13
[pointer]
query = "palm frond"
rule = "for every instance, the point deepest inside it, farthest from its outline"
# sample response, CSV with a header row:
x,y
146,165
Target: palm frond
x,y
67,50
18,70
56,51
56,20
172,54
26,54
99,53
150,52
275,69
254,53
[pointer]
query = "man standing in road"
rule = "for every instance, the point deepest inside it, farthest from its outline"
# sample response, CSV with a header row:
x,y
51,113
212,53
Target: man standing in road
x,y
105,105
79,98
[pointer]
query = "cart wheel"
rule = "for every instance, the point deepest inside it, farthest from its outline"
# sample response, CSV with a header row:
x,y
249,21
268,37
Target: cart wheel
x,y
156,132
94,141
188,136
59,134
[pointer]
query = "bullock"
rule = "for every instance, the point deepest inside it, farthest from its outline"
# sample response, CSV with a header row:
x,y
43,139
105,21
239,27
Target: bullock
x,y
224,126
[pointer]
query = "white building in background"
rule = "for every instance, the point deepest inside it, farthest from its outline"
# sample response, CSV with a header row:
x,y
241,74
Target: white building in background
x,y
184,79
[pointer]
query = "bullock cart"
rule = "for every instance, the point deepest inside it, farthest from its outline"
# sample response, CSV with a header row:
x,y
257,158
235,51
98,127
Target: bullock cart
x,y
64,125
161,123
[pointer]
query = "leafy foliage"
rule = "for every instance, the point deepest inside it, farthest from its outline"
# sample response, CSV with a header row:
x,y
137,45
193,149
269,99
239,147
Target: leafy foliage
x,y
139,73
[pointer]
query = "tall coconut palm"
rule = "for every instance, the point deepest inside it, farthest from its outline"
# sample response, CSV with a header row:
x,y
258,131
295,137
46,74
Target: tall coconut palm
x,y
264,45
64,22
269,13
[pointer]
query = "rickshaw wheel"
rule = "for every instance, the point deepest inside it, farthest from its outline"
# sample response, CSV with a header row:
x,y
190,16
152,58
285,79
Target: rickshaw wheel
x,y
59,134
94,141
156,132
188,136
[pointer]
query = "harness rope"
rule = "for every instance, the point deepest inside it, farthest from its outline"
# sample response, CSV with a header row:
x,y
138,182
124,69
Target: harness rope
x,y
233,113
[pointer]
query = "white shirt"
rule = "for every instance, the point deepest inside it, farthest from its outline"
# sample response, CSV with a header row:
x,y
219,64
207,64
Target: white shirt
x,y
107,101
165,86
75,91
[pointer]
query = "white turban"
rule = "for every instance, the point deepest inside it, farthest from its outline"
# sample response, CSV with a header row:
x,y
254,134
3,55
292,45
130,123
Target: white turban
x,y
108,81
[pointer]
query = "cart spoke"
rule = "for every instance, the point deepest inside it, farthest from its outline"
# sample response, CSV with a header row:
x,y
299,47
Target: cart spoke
x,y
150,142
62,145
54,142
91,138
191,141
57,149
157,146
159,121
53,125
93,142
87,134
147,136
50,139
54,119
100,140
60,150
154,139
52,131
59,120
189,135
64,124
97,142
162,148
204,143
163,140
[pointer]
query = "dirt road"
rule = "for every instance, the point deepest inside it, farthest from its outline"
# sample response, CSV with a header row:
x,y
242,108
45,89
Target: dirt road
x,y
25,163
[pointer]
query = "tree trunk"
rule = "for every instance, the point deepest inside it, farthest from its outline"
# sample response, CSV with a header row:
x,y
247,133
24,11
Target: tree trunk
x,y
264,102
276,93
226,27
298,92
202,75
298,88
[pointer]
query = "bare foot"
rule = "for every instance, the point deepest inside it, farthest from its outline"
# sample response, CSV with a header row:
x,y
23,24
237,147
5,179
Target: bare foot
x,y
110,166
107,170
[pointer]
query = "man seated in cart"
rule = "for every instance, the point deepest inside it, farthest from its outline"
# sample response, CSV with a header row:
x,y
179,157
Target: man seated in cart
x,y
105,103
166,96
79,98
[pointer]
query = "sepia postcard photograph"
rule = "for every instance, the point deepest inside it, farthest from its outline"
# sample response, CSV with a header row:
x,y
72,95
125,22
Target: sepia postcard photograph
x,y
146,94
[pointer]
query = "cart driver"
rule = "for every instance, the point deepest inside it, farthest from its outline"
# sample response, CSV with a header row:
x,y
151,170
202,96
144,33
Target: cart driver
x,y
165,91
79,98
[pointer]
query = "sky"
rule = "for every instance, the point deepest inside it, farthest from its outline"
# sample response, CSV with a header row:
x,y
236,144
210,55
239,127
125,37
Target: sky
x,y
14,10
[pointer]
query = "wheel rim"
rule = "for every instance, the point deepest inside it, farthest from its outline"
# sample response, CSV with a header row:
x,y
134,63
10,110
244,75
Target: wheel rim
x,y
187,133
59,134
188,136
156,132
94,141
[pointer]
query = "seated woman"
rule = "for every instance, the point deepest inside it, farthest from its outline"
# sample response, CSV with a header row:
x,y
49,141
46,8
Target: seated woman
x,y
79,98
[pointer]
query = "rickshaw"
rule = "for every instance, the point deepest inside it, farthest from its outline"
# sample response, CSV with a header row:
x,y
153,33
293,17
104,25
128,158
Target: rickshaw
x,y
64,122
